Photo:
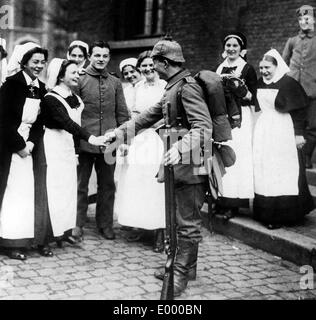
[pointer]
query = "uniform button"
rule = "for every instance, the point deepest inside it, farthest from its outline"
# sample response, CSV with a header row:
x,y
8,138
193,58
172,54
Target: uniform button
x,y
101,118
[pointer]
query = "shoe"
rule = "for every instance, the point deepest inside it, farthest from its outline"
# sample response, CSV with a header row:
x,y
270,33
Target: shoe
x,y
135,236
184,266
160,274
17,255
186,257
77,234
107,233
230,213
71,239
125,228
159,241
272,226
59,244
45,251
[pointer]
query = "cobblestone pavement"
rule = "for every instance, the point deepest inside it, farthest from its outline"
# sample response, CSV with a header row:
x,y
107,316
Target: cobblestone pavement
x,y
116,270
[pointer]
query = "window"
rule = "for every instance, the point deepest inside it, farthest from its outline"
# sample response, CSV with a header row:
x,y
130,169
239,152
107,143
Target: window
x,y
30,14
139,18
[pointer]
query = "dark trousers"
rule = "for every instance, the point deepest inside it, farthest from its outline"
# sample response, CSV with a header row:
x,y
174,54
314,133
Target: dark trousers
x,y
311,129
105,190
189,201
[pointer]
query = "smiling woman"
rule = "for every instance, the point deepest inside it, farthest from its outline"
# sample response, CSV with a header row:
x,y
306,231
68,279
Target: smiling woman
x,y
282,196
238,181
21,132
136,176
132,75
62,117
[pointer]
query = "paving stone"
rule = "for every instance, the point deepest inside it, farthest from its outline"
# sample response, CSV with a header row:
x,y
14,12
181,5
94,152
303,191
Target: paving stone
x,y
58,286
220,278
34,296
22,282
227,269
17,291
78,283
133,290
132,282
113,285
224,286
49,265
27,274
42,280
74,292
47,272
37,288
237,276
58,296
12,262
81,275
93,288
264,290
62,278
235,269
67,263
256,275
96,296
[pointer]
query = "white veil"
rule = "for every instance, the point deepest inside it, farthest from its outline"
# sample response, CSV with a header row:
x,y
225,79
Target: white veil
x,y
52,72
282,67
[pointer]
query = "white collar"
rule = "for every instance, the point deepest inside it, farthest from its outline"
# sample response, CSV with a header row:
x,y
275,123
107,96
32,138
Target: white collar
x,y
239,63
29,80
65,93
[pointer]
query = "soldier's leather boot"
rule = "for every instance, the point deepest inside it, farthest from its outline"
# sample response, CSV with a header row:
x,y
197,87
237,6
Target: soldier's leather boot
x,y
159,274
186,256
158,240
186,260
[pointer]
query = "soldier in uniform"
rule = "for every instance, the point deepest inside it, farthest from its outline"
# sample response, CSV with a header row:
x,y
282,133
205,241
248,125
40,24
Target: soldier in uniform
x,y
190,187
300,54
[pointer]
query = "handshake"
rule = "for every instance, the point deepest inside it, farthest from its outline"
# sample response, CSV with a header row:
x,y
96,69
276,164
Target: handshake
x,y
102,141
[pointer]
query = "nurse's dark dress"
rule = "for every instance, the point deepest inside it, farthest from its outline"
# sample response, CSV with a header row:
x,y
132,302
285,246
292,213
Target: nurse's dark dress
x,y
281,191
22,196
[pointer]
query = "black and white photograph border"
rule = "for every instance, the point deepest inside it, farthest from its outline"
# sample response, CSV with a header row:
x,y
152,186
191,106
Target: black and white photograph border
x,y
239,258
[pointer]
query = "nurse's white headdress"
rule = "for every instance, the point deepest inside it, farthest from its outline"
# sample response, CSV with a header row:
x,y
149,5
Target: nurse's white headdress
x,y
52,72
14,64
128,62
282,68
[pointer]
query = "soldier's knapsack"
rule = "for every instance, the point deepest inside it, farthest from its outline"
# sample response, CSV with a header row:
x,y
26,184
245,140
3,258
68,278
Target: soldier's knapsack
x,y
223,108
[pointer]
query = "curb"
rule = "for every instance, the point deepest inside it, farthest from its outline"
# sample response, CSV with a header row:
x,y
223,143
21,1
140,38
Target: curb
x,y
284,243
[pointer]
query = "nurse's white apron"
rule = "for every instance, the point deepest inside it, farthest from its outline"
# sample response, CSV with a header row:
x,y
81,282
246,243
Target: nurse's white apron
x,y
62,173
17,211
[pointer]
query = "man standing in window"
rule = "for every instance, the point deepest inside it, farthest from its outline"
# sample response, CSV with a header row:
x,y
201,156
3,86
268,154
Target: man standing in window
x,y
105,109
300,54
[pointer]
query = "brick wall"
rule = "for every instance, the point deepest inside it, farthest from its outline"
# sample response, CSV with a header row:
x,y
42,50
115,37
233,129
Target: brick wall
x,y
200,25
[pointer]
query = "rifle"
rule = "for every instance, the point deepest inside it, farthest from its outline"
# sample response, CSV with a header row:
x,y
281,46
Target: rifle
x,y
170,205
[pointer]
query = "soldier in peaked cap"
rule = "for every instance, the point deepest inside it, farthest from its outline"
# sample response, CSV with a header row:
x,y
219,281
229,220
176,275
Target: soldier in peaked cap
x,y
300,54
190,187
